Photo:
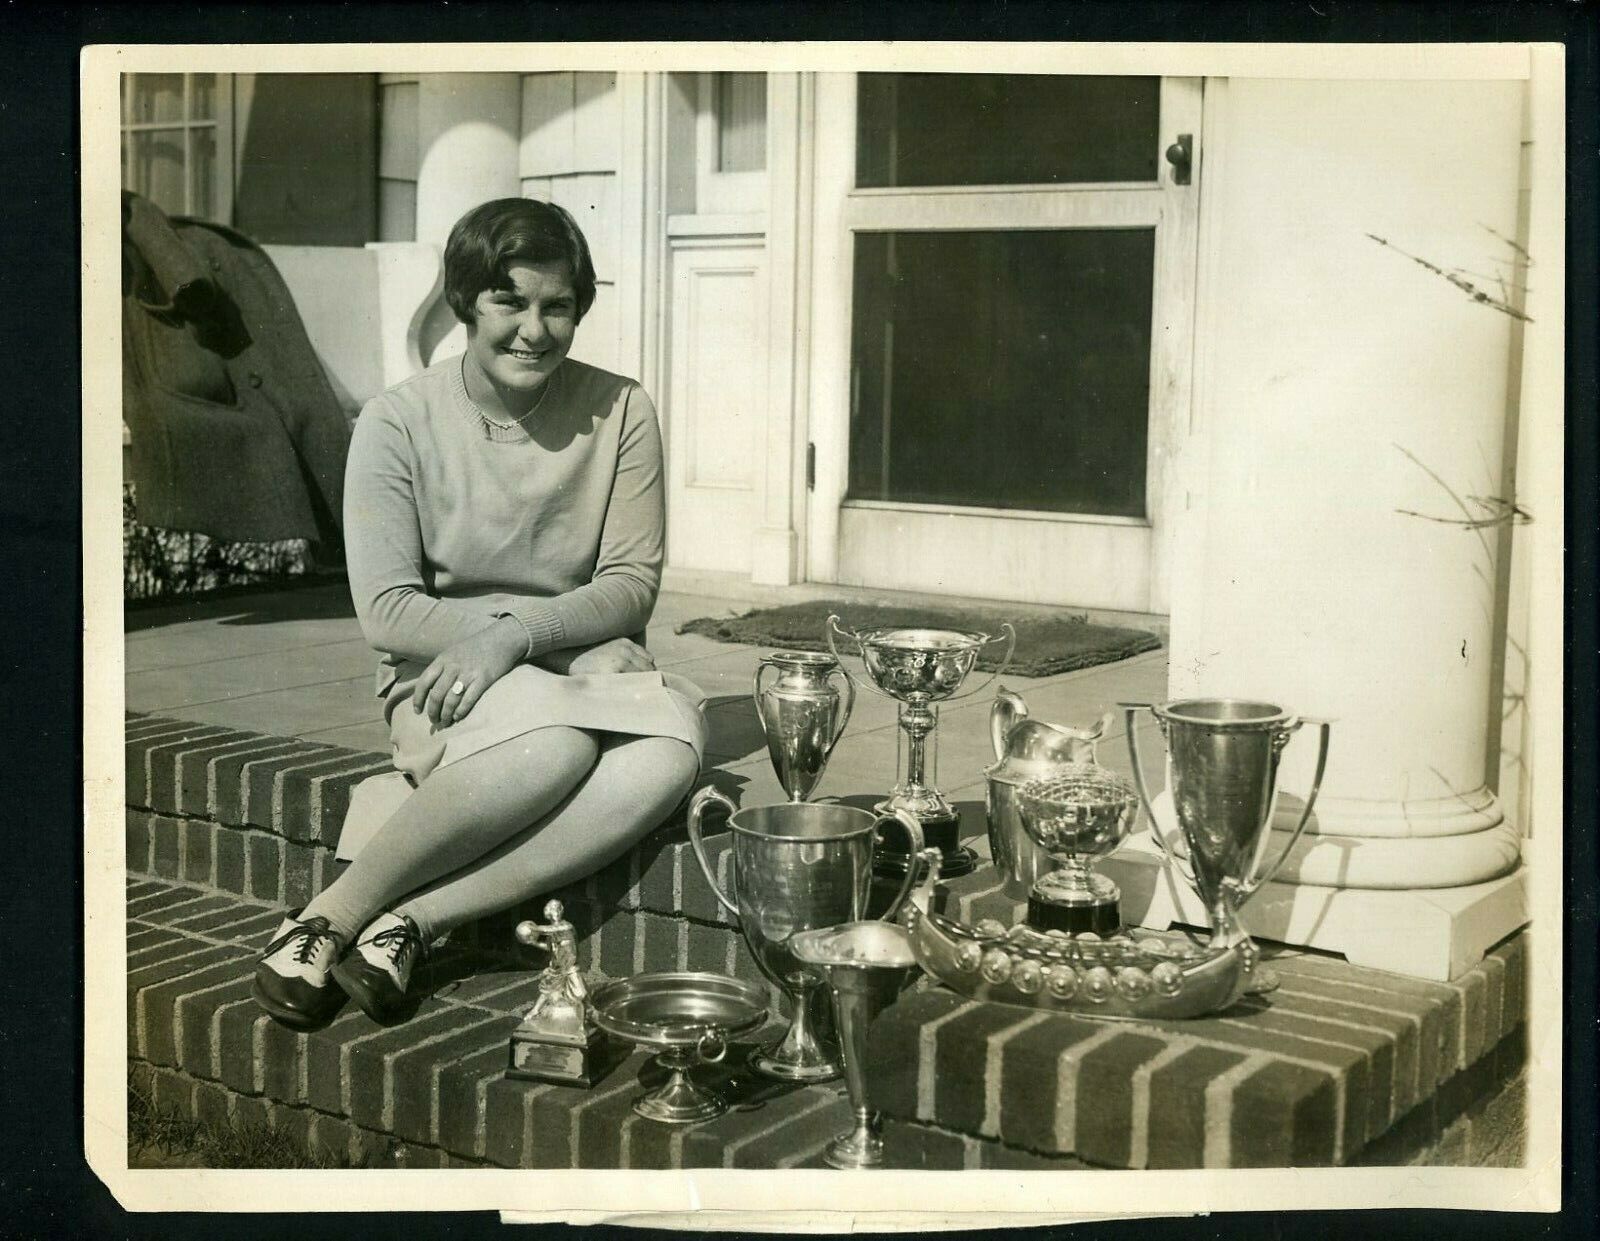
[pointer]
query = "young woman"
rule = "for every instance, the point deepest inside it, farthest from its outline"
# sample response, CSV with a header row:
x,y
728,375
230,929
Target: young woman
x,y
504,523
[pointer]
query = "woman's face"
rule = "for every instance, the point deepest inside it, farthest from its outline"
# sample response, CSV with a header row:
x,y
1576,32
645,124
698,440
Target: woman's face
x,y
523,332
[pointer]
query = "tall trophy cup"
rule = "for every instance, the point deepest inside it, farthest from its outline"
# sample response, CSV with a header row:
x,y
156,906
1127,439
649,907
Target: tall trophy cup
x,y
1078,811
867,964
920,668
802,715
1222,771
796,867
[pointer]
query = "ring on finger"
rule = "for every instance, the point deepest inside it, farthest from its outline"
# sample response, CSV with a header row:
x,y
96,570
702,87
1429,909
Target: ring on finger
x,y
458,688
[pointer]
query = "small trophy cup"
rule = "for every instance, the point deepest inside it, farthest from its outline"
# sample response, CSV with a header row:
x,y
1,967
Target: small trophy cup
x,y
1078,811
558,1040
867,964
802,716
1222,770
920,668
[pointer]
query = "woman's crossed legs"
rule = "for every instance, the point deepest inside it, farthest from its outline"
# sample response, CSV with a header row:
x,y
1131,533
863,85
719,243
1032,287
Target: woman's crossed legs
x,y
479,835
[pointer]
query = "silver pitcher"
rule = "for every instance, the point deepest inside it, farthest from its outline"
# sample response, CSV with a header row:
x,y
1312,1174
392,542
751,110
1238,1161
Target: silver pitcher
x,y
1025,749
802,715
1222,771
797,867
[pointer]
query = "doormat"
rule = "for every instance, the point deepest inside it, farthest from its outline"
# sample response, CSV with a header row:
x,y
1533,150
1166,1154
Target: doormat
x,y
1046,645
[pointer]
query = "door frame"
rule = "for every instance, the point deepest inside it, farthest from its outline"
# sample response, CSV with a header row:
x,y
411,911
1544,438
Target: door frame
x,y
1086,560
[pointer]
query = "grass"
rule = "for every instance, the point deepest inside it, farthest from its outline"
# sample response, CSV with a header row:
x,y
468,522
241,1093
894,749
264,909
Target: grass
x,y
165,1138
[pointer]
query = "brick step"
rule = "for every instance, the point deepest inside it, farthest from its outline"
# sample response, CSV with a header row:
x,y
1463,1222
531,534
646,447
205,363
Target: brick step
x,y
430,1090
1338,1062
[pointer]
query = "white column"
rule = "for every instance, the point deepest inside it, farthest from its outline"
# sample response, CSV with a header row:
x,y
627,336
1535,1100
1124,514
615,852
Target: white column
x,y
775,546
1353,404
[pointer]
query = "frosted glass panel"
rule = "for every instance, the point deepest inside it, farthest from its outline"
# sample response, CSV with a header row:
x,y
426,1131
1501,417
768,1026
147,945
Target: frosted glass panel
x,y
1002,369
157,97
157,168
1004,129
741,122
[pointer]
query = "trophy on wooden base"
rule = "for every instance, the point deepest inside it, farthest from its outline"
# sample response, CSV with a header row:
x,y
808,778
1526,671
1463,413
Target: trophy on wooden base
x,y
558,1040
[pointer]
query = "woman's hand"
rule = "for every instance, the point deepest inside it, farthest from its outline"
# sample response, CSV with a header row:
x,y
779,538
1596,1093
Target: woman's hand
x,y
617,655
451,685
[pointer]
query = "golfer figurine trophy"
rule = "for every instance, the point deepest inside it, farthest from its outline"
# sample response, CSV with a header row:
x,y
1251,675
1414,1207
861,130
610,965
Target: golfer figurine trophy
x,y
558,1040
920,668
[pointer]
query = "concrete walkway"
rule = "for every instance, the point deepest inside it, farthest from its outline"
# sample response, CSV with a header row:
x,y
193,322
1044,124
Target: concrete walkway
x,y
293,663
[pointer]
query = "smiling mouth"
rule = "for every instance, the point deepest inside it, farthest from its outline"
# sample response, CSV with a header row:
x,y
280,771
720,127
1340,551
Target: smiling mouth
x,y
524,355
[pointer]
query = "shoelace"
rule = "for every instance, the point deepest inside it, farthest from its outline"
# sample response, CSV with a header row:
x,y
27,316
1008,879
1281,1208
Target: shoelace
x,y
401,943
310,937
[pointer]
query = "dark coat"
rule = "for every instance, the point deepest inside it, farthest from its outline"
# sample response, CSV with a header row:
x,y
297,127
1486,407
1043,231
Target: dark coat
x,y
235,430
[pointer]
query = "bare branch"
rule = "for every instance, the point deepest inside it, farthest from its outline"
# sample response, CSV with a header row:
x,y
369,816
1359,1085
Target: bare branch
x,y
1460,282
1526,257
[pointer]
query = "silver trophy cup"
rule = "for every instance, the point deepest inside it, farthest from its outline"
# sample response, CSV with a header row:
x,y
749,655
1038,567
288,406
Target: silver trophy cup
x,y
797,867
802,715
867,964
920,668
1222,771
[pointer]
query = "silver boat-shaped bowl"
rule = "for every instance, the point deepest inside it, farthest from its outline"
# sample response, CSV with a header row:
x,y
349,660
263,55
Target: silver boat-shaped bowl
x,y
685,1018
1121,976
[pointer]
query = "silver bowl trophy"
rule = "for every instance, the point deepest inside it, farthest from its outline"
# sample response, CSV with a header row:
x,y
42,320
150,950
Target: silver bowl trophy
x,y
802,715
558,1040
866,964
687,1019
1025,749
796,867
920,668
1077,811
1222,772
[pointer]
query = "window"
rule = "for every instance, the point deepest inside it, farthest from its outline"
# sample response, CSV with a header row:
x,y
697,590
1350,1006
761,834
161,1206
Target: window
x,y
1000,348
177,142
731,143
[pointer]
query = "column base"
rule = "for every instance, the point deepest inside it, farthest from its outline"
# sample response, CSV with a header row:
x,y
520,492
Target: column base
x,y
1433,933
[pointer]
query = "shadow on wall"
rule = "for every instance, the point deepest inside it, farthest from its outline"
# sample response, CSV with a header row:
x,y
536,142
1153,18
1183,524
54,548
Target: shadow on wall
x,y
307,148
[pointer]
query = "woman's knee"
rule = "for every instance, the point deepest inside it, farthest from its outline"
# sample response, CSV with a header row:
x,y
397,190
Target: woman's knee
x,y
647,778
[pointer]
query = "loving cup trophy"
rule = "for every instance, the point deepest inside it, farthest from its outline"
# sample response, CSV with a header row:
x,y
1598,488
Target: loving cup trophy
x,y
866,965
796,867
1074,812
802,715
1222,772
920,668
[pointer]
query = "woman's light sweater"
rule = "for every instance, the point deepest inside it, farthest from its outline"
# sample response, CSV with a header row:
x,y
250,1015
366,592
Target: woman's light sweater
x,y
452,522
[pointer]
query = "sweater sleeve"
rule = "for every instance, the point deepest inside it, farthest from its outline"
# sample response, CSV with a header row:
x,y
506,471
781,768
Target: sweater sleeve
x,y
618,599
383,547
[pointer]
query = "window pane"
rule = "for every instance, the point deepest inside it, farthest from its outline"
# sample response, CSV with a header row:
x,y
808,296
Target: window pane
x,y
203,171
202,96
1004,129
157,168
741,122
157,97
1002,369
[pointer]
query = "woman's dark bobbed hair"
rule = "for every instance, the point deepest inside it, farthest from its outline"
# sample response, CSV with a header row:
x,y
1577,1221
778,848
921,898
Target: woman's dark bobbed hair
x,y
493,235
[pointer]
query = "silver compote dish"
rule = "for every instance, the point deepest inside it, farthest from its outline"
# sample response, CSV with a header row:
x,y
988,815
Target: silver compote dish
x,y
687,1019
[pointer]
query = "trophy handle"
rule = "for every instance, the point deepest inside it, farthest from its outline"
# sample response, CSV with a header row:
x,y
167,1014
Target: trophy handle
x,y
1129,710
712,1047
756,694
913,830
849,704
1003,716
828,630
1245,889
697,808
1006,631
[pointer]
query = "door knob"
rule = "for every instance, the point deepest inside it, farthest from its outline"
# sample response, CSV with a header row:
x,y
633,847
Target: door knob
x,y
1180,155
